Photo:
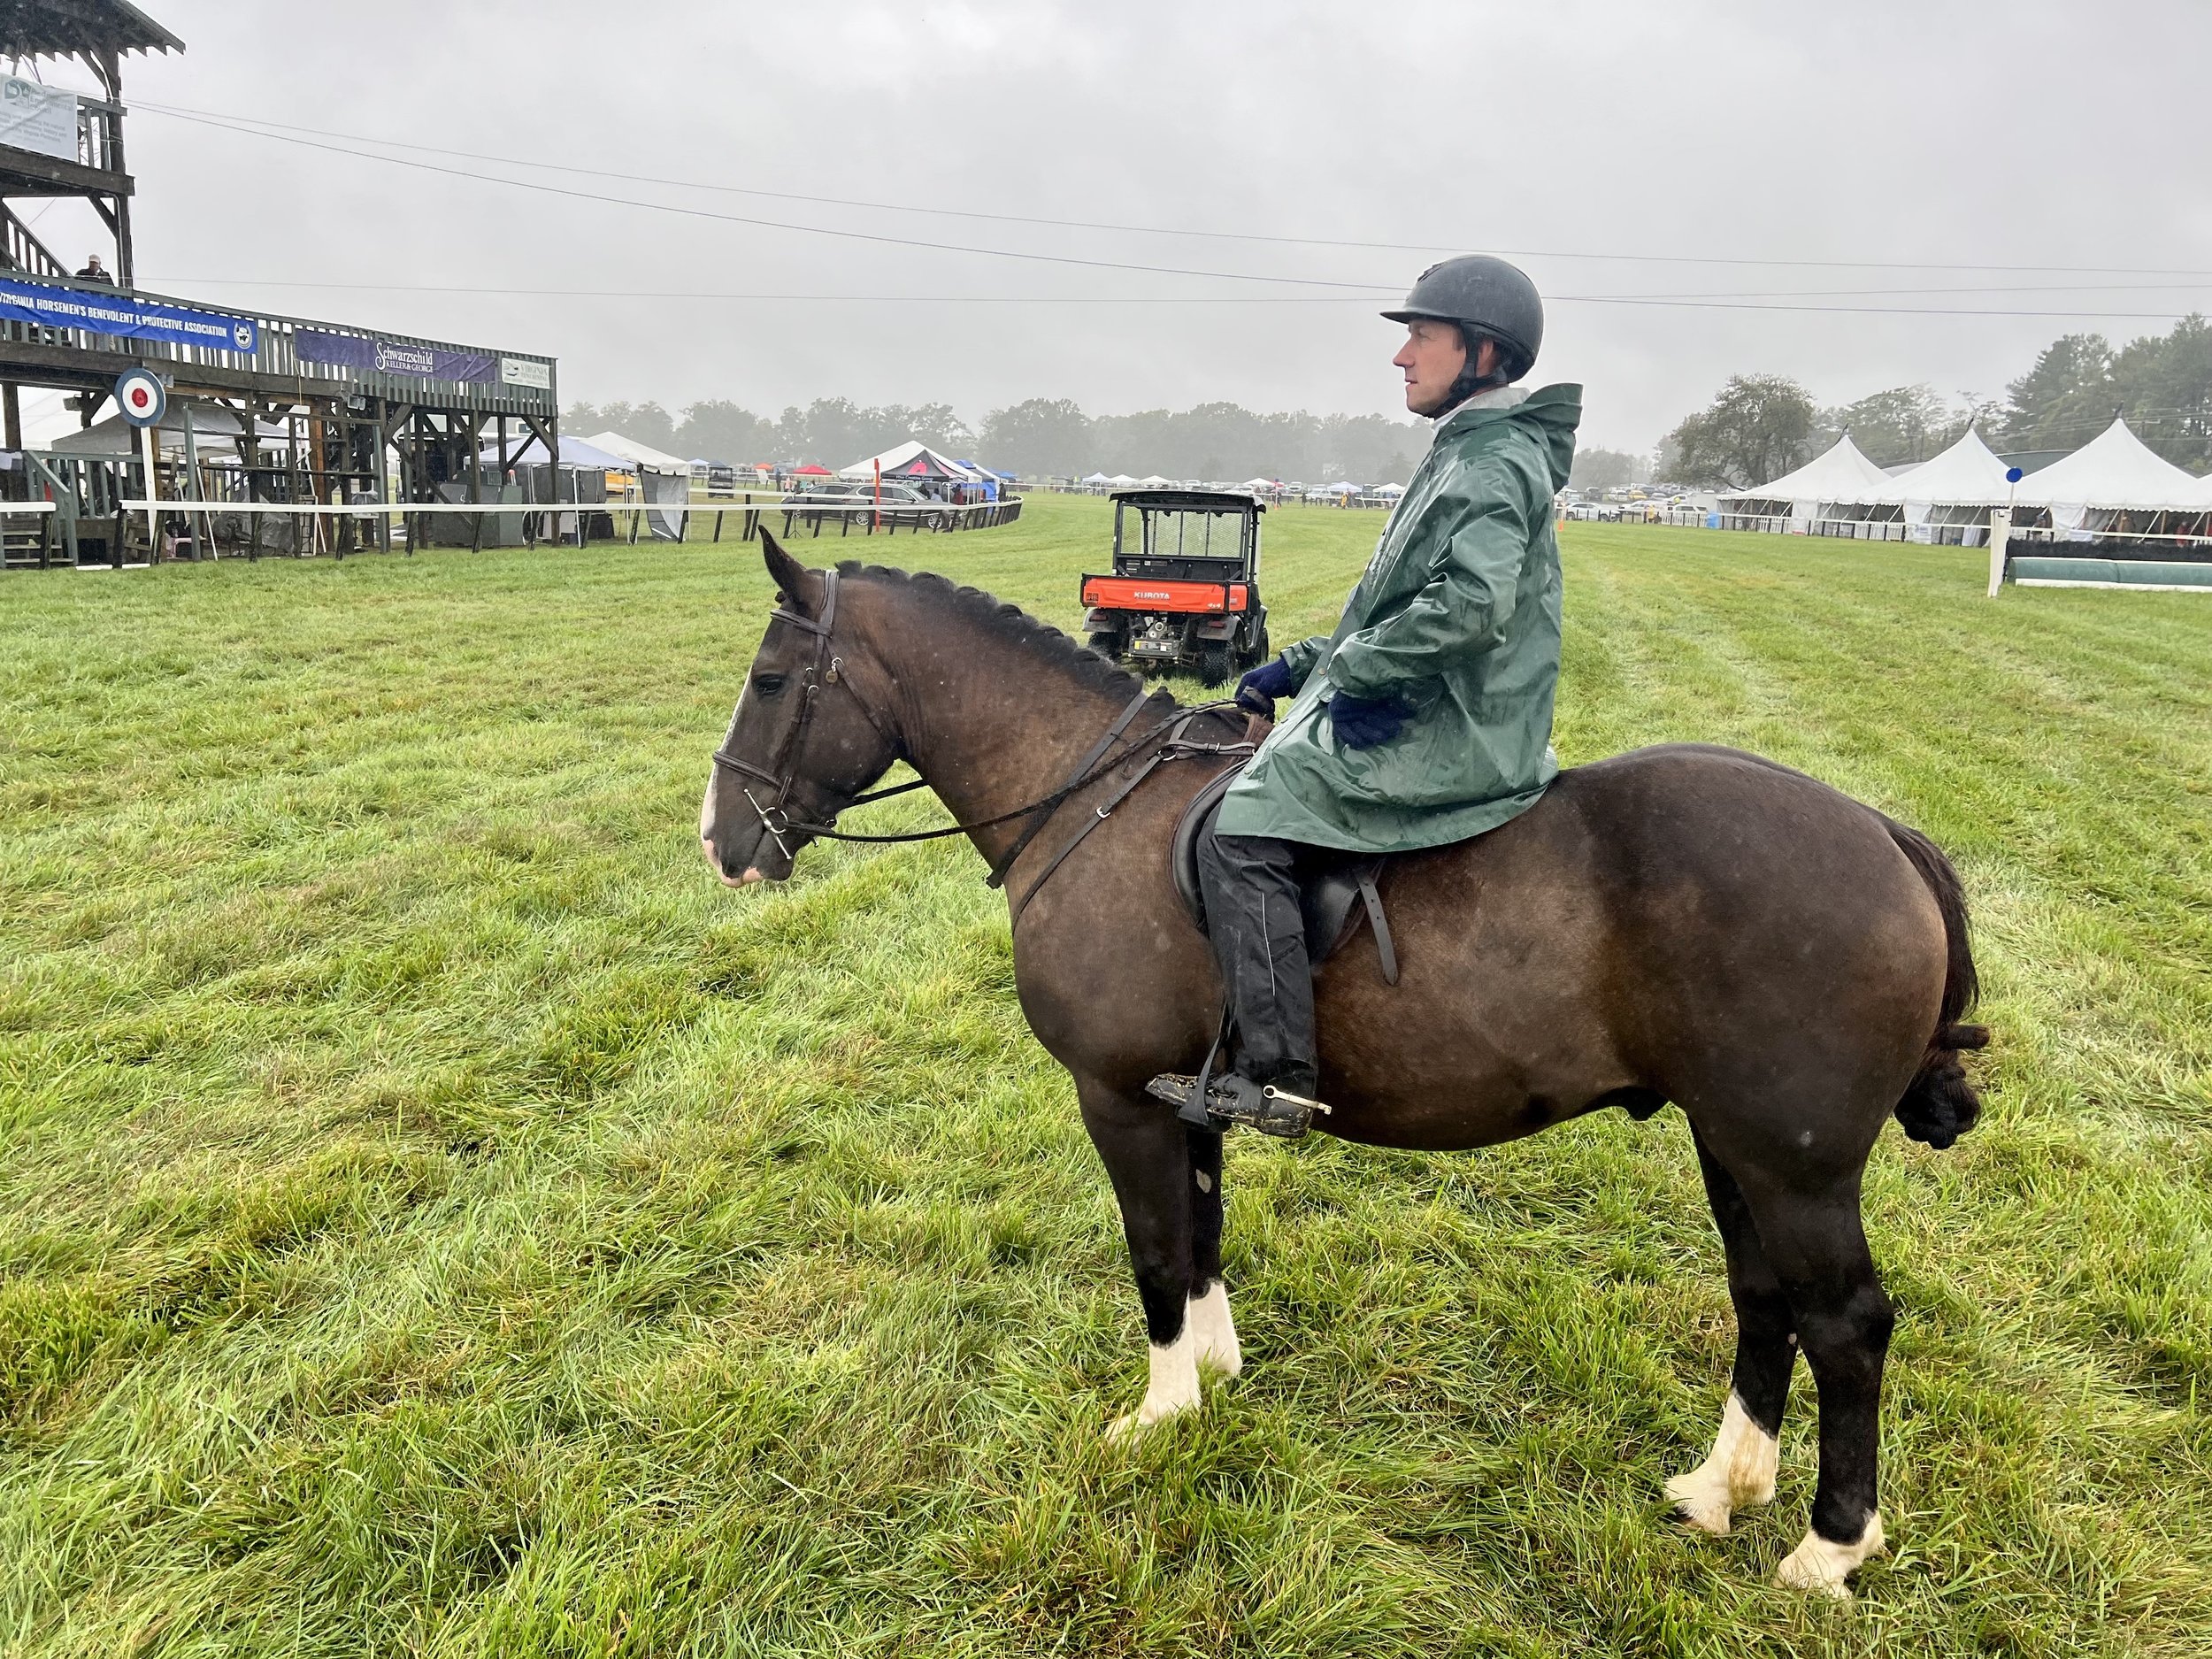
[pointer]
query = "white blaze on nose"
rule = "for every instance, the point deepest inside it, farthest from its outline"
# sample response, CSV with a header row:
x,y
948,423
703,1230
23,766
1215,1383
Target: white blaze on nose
x,y
706,814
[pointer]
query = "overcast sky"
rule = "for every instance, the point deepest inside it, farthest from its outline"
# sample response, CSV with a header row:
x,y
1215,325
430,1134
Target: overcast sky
x,y
1933,141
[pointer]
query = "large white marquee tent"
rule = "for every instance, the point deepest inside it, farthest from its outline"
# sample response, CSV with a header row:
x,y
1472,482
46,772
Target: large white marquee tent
x,y
2113,483
2111,475
1948,498
1838,488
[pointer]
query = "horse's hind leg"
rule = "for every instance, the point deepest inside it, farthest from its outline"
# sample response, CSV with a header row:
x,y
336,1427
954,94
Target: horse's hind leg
x,y
1739,1471
1843,1320
1211,1327
1149,1161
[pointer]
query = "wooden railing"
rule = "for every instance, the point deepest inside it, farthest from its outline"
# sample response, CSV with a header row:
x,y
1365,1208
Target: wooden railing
x,y
23,251
275,354
100,135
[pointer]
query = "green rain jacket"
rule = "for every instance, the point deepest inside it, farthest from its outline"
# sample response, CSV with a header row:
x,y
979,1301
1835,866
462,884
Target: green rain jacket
x,y
1457,616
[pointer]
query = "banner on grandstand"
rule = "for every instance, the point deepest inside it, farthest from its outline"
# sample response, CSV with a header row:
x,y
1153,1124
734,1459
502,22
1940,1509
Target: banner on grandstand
x,y
39,119
105,311
372,355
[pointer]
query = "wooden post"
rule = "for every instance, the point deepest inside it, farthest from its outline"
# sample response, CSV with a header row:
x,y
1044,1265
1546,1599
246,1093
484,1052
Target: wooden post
x,y
153,526
476,479
12,408
191,491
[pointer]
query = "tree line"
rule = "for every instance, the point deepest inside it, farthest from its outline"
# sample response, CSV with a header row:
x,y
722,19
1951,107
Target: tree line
x,y
1760,425
1042,436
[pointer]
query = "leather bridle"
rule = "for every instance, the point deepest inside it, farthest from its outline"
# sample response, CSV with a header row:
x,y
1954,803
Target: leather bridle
x,y
824,669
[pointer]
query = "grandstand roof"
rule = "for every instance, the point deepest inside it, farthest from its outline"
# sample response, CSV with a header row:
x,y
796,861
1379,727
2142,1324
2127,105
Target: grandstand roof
x,y
62,28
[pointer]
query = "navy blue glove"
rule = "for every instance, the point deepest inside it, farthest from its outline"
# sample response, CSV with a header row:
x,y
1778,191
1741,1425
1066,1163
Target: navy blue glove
x,y
1363,722
1258,690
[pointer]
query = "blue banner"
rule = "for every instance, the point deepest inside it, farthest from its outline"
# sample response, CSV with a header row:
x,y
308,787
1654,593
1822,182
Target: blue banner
x,y
113,312
374,355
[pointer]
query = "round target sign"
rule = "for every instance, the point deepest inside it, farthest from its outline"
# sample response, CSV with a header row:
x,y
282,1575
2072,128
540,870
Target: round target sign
x,y
140,397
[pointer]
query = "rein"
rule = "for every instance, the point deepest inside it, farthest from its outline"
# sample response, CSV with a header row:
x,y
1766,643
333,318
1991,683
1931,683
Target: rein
x,y
827,669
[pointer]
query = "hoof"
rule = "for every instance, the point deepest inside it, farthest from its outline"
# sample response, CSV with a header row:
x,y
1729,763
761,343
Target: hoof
x,y
1701,1502
1738,1475
1132,1425
1821,1567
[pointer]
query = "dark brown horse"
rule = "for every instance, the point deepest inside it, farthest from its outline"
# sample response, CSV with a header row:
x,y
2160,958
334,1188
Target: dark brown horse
x,y
1683,924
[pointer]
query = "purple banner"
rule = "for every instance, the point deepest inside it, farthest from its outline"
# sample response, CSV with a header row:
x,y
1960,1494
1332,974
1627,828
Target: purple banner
x,y
394,357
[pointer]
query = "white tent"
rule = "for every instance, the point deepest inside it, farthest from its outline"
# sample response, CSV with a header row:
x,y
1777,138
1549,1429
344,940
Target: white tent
x,y
913,461
637,454
1257,484
575,452
1390,489
1838,486
1122,480
2111,474
1948,498
1155,482
1096,477
215,433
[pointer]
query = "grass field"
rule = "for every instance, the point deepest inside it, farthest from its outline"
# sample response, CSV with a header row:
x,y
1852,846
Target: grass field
x,y
435,1217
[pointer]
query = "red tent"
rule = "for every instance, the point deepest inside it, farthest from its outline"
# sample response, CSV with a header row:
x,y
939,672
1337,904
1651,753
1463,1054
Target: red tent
x,y
811,471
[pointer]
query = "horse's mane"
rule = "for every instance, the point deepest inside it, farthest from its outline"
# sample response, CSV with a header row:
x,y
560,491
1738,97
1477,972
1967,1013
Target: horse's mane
x,y
1010,625
1007,625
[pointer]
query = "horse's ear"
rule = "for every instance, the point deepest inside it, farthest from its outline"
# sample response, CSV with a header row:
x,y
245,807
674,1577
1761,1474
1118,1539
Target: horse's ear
x,y
791,577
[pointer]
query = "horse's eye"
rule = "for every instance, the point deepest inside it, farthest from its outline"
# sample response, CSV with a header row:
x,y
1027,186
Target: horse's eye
x,y
768,685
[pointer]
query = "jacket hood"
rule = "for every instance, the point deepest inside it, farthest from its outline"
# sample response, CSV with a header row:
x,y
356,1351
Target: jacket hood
x,y
1551,413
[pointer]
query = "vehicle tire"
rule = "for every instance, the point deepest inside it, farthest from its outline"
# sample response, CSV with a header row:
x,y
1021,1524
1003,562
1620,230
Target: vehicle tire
x,y
1213,664
1106,645
1259,652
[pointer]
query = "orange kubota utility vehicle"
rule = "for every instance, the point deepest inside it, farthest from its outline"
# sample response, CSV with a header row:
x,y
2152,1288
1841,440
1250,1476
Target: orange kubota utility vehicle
x,y
1185,591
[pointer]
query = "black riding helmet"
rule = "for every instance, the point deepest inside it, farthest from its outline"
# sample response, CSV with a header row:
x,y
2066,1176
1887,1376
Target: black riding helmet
x,y
1484,296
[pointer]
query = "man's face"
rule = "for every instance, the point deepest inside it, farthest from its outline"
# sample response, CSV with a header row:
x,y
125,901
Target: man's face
x,y
1431,358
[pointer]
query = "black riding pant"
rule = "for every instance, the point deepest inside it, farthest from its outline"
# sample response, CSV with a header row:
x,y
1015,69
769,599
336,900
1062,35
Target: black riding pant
x,y
1250,887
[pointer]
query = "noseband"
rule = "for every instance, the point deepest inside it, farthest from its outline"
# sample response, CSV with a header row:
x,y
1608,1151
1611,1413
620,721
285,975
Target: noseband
x,y
825,668
822,669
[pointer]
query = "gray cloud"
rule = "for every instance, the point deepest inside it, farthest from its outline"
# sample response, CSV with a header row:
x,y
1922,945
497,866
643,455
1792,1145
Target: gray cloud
x,y
2038,135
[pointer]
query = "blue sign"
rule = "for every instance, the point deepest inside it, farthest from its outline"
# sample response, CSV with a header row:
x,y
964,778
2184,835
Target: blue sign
x,y
2013,475
375,355
113,312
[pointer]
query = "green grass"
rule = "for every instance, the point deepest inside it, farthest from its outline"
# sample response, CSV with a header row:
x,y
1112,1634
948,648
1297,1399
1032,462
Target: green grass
x,y
436,1218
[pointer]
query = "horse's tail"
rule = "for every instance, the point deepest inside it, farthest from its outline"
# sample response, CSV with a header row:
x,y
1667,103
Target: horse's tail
x,y
1940,1105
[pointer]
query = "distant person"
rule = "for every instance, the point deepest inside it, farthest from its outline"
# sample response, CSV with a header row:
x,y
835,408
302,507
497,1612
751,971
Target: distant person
x,y
1427,717
95,272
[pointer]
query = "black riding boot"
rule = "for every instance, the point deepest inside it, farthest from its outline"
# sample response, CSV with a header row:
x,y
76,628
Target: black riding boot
x,y
1250,890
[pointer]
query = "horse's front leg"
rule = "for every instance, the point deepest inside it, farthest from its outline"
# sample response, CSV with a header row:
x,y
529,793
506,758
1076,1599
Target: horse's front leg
x,y
1147,1156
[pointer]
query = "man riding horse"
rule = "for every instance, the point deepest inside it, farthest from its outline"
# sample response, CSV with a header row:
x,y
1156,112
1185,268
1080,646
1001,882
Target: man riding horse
x,y
1427,717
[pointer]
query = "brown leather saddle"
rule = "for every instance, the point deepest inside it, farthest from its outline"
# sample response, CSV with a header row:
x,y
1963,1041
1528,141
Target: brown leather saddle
x,y
1335,889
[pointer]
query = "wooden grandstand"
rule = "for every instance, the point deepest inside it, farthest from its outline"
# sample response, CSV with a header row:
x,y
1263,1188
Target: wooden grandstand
x,y
263,408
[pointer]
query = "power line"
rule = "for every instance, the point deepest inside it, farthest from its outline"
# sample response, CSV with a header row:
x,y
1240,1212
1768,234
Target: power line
x,y
770,224
1680,302
252,123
